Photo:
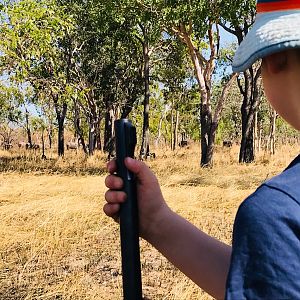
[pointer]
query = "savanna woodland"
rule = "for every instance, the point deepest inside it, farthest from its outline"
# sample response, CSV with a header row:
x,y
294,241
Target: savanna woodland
x,y
68,70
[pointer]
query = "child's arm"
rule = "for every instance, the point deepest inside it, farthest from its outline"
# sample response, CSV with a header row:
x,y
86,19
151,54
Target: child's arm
x,y
201,257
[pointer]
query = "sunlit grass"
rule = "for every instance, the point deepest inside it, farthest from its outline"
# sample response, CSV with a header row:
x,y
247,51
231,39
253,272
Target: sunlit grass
x,y
56,243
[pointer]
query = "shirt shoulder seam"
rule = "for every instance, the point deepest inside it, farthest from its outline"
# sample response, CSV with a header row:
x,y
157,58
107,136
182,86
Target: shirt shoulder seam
x,y
280,190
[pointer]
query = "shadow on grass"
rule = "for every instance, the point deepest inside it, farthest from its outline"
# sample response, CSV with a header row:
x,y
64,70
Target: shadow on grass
x,y
21,164
224,182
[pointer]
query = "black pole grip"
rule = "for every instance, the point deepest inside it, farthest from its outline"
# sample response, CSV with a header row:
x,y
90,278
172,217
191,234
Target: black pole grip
x,y
125,135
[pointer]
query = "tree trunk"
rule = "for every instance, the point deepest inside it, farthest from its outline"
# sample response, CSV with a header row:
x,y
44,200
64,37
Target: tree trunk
x,y
144,152
159,129
272,132
206,143
60,116
43,146
109,146
98,134
92,121
259,137
50,133
61,141
77,126
172,127
79,133
176,130
91,137
250,103
215,121
28,130
247,147
204,88
256,133
250,92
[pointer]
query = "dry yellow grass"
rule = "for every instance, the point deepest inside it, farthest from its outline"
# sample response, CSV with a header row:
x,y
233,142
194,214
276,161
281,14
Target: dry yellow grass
x,y
55,242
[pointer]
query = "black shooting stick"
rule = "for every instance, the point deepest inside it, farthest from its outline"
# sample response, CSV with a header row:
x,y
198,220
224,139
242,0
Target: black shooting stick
x,y
125,135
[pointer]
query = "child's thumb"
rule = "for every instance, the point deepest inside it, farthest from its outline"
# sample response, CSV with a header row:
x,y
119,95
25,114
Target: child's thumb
x,y
140,169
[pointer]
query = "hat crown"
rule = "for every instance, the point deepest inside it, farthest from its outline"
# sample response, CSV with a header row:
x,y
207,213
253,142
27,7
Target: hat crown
x,y
276,5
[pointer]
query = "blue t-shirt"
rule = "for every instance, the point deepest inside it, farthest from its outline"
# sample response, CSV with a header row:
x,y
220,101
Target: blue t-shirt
x,y
265,261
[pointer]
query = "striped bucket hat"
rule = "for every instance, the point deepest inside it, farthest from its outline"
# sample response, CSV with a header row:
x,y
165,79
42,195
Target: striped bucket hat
x,y
276,28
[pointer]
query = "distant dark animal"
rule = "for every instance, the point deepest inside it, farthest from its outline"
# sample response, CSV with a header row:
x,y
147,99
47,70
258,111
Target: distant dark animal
x,y
7,146
72,146
27,146
227,143
183,144
151,155
148,156
37,146
23,145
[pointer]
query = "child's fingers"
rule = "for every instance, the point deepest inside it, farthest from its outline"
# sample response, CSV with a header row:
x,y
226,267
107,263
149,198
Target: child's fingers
x,y
115,196
134,166
141,170
112,210
113,182
111,166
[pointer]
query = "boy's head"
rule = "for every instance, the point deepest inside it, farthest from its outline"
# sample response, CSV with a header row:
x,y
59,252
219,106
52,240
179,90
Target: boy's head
x,y
281,78
275,38
276,28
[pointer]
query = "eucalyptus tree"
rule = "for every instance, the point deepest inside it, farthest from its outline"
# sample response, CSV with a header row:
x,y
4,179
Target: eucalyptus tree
x,y
107,66
14,103
86,48
236,17
10,100
145,27
177,83
31,50
195,24
121,83
6,135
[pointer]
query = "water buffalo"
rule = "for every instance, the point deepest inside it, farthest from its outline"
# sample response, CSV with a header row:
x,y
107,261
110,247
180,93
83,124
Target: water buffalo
x,y
183,143
23,145
37,146
6,146
72,146
28,146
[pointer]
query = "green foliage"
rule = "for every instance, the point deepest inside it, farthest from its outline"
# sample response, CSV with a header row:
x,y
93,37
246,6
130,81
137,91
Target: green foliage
x,y
236,13
230,124
10,99
89,55
284,130
29,37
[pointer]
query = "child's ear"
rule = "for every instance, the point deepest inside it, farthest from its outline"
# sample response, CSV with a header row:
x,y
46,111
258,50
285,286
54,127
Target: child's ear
x,y
276,62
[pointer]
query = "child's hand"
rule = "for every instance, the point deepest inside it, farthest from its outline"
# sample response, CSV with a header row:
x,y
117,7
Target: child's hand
x,y
152,207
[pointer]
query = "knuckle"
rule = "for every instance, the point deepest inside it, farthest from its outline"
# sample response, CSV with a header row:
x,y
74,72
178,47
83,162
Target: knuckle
x,y
113,182
122,196
112,196
115,196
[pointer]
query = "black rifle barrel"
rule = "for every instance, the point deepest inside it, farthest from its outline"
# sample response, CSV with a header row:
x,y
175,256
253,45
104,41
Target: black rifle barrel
x,y
125,135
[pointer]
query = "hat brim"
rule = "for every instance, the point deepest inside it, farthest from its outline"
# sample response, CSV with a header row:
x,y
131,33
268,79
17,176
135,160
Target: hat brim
x,y
272,32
